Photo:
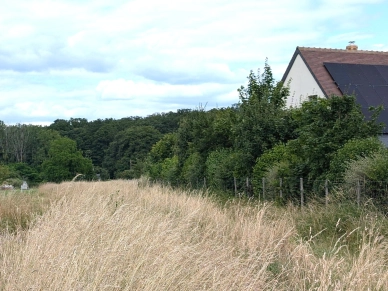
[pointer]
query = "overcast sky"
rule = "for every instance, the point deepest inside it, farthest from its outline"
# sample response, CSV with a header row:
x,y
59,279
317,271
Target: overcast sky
x,y
89,59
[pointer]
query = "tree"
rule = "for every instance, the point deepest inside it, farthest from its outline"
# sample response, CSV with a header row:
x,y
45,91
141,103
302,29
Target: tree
x,y
324,126
16,141
262,120
193,170
41,143
222,168
202,132
65,161
163,149
130,147
170,171
25,172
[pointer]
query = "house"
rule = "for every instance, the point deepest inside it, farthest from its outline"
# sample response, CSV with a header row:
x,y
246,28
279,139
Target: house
x,y
326,72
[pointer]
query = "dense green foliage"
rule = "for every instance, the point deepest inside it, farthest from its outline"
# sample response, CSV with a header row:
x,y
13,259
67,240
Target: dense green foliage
x,y
262,120
323,127
256,138
260,138
116,148
64,161
352,151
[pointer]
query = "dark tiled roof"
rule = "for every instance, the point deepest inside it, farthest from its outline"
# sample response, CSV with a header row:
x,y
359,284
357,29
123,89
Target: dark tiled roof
x,y
367,91
315,57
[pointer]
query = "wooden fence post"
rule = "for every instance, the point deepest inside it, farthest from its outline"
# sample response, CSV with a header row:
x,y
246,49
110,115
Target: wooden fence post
x,y
263,189
248,192
301,193
204,182
235,186
326,193
281,184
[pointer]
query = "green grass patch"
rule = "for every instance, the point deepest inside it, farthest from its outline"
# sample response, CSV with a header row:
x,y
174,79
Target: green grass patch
x,y
338,228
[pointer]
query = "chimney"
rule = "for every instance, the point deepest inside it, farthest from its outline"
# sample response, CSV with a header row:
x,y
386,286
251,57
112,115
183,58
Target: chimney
x,y
352,46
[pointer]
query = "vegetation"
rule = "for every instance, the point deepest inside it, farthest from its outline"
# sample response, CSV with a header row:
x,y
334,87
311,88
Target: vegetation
x,y
256,138
260,138
109,148
19,209
139,235
129,235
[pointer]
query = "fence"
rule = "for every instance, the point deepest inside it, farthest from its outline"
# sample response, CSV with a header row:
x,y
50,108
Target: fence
x,y
359,191
300,191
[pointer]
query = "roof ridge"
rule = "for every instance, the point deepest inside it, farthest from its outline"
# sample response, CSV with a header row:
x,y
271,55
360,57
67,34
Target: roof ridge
x,y
340,50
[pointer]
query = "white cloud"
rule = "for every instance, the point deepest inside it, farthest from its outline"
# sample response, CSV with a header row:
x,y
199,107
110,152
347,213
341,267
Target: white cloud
x,y
137,91
143,55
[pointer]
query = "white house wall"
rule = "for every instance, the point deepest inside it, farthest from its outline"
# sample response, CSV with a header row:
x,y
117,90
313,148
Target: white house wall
x,y
302,83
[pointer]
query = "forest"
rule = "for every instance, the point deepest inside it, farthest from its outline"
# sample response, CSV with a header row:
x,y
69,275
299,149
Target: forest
x,y
323,139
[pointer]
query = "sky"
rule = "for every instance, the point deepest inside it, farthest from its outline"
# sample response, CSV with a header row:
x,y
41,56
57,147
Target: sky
x,y
102,59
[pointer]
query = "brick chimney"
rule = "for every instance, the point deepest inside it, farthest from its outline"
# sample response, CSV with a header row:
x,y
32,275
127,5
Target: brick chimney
x,y
352,46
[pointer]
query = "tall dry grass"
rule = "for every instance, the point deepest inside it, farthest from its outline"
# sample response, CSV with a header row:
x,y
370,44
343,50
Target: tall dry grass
x,y
121,235
18,208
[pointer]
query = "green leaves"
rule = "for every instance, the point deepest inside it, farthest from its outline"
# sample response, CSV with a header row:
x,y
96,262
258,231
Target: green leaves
x,y
353,150
129,147
261,119
324,126
65,161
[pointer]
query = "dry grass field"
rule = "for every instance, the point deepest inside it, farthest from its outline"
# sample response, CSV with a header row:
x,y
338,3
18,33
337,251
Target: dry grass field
x,y
126,235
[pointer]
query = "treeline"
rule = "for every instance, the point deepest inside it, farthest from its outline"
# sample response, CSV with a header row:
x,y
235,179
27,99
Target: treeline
x,y
99,149
256,138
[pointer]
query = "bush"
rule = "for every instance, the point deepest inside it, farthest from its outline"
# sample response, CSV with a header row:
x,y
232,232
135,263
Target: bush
x,y
102,172
4,173
16,182
372,173
126,174
374,168
193,170
221,168
274,164
170,170
352,151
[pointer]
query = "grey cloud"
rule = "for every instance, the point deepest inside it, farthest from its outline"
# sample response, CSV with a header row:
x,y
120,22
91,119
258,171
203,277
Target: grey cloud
x,y
14,117
181,77
188,73
33,60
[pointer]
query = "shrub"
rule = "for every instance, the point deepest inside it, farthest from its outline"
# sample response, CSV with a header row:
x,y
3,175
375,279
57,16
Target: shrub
x,y
16,182
221,168
193,169
274,164
170,170
372,173
352,151
4,172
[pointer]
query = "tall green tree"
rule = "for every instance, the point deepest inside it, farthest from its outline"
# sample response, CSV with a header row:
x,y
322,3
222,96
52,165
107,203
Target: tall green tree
x,y
16,142
65,161
41,144
129,148
262,120
205,131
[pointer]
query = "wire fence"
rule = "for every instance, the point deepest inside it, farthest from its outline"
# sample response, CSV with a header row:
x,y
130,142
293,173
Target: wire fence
x,y
300,191
359,191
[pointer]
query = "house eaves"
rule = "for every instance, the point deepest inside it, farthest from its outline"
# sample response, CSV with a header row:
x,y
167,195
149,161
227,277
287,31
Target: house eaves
x,y
299,52
315,58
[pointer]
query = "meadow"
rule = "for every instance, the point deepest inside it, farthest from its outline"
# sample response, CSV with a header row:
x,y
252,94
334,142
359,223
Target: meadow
x,y
132,235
